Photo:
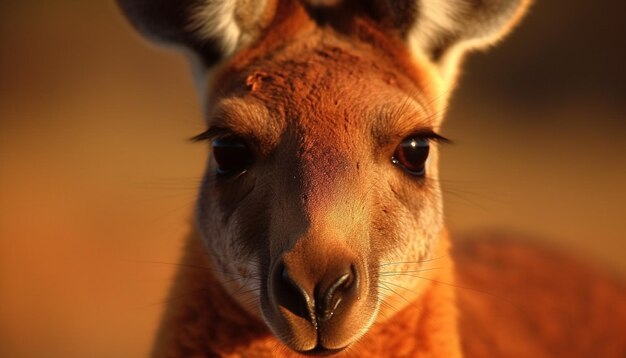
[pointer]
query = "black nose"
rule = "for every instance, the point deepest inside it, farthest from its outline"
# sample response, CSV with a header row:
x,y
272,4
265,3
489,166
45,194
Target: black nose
x,y
291,295
329,292
328,298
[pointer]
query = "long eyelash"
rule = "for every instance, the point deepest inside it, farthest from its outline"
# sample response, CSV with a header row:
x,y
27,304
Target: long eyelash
x,y
210,134
431,135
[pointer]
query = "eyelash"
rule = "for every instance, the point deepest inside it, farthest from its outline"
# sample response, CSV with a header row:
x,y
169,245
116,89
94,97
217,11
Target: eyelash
x,y
430,135
211,134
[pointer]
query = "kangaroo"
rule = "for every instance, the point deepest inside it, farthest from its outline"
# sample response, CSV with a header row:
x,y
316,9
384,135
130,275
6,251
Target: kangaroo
x,y
319,227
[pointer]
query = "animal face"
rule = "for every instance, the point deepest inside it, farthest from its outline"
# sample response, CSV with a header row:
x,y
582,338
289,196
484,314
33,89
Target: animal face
x,y
322,124
322,171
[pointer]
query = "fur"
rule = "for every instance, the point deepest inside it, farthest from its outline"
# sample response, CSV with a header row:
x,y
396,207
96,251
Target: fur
x,y
323,93
204,321
527,300
216,18
499,296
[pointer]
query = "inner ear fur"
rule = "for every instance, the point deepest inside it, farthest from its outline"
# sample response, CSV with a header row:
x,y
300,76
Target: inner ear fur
x,y
442,31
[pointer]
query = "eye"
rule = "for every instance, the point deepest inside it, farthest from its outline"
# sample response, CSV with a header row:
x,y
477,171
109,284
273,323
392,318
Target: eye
x,y
411,155
232,154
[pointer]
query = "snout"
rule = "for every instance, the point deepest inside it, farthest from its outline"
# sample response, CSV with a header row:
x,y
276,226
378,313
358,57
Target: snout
x,y
318,305
316,300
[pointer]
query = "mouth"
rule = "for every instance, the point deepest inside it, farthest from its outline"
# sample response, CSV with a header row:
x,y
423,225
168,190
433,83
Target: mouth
x,y
320,350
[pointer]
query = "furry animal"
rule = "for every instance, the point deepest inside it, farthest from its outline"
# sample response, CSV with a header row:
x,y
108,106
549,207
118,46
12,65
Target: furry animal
x,y
319,226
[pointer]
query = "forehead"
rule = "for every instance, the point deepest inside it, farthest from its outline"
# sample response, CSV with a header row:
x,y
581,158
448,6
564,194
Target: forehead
x,y
316,87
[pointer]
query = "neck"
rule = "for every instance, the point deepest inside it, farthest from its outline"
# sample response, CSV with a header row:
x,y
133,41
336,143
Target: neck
x,y
202,320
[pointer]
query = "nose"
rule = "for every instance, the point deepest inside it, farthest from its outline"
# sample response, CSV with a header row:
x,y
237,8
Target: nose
x,y
316,297
327,299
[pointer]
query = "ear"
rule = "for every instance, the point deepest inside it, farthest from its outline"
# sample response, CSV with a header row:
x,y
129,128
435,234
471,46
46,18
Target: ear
x,y
212,29
442,31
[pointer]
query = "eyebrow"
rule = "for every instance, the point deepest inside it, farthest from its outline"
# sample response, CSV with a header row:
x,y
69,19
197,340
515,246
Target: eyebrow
x,y
409,118
235,116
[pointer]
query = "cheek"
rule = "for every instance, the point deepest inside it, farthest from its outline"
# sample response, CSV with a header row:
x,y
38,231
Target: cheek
x,y
413,215
424,222
229,238
237,271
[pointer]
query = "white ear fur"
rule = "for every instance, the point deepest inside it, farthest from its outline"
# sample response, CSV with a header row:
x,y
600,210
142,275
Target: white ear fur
x,y
219,19
444,30
212,29
207,31
440,31
215,19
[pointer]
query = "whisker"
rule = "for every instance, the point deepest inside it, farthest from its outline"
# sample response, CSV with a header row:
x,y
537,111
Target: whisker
x,y
384,303
459,287
413,262
191,266
392,273
393,291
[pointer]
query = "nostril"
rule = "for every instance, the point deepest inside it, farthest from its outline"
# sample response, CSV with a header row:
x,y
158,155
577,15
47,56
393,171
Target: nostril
x,y
334,291
327,301
290,295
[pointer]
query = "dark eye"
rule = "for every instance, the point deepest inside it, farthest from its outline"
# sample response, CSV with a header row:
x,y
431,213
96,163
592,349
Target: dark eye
x,y
232,154
411,155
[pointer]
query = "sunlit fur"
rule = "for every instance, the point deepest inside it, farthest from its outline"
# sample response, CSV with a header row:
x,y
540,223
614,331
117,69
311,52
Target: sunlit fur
x,y
321,136
323,93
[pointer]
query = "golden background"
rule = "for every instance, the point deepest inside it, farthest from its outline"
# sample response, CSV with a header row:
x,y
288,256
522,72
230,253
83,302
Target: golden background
x,y
97,178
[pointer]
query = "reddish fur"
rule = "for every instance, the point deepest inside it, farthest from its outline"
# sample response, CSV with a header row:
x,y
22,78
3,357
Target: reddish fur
x,y
318,80
203,321
326,96
291,23
509,307
538,303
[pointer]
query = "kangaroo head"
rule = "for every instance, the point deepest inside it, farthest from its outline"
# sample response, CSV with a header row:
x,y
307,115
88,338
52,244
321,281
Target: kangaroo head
x,y
322,118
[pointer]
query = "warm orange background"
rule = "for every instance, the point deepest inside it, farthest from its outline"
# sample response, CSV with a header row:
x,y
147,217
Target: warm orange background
x,y
97,179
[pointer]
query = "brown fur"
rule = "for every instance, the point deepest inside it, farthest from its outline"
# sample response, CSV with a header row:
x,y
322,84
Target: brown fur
x,y
327,115
508,307
322,96
202,320
535,302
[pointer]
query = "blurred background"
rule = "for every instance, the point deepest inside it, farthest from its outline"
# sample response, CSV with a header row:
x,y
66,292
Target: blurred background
x,y
97,177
